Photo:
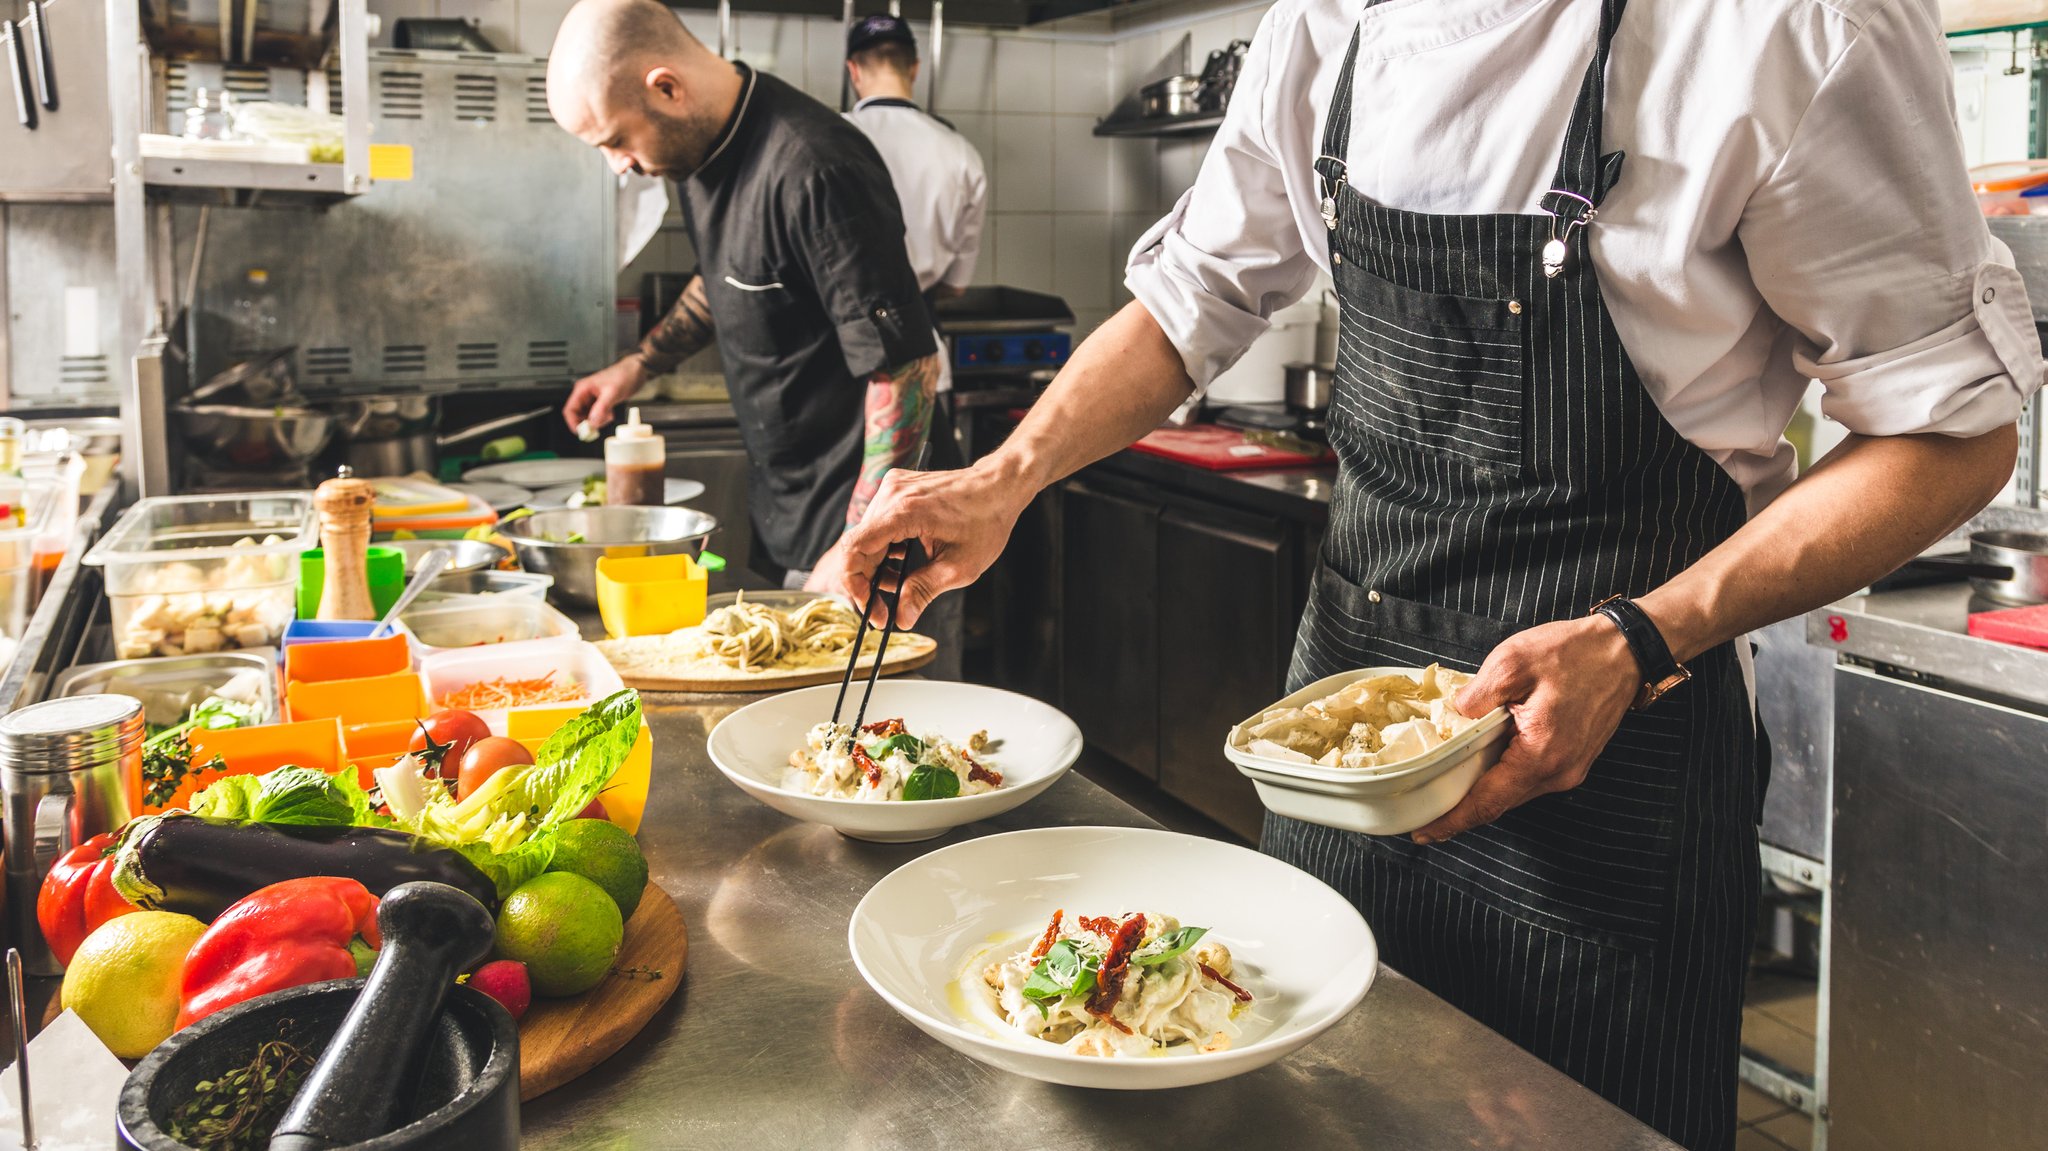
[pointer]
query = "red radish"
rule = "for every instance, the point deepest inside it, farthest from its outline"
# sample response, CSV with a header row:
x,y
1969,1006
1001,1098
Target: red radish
x,y
505,981
594,811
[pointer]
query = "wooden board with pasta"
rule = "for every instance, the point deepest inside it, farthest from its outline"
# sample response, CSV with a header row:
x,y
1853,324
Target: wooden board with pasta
x,y
759,641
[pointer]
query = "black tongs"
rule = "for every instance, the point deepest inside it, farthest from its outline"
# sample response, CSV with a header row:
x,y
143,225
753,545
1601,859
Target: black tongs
x,y
887,586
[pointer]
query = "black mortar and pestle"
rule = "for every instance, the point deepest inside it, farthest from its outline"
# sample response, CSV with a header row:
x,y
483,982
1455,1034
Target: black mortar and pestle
x,y
405,1059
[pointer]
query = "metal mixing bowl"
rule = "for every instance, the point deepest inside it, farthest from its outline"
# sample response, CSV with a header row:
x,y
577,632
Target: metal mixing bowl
x,y
541,541
470,555
254,439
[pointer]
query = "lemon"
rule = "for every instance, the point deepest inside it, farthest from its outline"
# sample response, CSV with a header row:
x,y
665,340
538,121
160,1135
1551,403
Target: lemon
x,y
564,928
125,979
605,854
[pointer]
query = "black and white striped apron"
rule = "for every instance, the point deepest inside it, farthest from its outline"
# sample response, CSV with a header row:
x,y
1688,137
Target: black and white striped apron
x,y
1501,466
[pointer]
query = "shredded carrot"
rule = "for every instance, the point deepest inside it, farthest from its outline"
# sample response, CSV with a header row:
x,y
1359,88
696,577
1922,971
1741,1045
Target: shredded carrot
x,y
490,694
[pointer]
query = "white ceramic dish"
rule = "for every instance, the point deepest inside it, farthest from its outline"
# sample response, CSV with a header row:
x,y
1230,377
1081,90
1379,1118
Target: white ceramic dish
x,y
534,475
1297,945
672,492
1393,800
1039,743
502,497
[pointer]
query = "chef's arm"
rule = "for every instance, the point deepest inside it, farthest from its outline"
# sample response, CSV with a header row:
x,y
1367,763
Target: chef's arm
x,y
1121,382
896,419
1871,505
682,333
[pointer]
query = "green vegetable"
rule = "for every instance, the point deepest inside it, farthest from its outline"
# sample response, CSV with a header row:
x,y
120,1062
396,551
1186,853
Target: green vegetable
x,y
930,781
908,744
291,795
167,755
1066,970
1167,946
238,1110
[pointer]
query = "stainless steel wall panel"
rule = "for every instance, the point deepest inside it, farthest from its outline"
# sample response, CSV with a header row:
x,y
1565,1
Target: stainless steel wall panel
x,y
62,310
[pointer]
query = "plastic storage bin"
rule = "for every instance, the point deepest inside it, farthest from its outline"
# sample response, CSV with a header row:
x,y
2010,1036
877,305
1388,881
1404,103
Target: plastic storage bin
x,y
192,574
486,583
474,621
29,505
570,661
170,686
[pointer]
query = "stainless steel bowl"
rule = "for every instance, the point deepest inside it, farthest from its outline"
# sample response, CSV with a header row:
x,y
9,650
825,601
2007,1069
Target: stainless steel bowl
x,y
254,439
2024,554
542,542
470,555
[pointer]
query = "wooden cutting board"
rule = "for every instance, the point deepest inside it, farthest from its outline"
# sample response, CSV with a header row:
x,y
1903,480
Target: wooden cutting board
x,y
562,1038
908,651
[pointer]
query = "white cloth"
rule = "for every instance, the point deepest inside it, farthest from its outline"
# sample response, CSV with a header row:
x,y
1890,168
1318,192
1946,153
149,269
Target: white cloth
x,y
940,183
642,202
1793,204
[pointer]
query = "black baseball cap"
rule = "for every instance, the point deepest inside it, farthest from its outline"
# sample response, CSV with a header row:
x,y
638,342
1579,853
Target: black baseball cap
x,y
869,31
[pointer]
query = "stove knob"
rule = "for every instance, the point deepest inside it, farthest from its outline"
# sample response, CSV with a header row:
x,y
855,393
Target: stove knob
x,y
1034,350
993,353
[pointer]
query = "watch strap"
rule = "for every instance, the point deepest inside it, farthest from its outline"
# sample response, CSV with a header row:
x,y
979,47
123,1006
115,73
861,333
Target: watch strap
x,y
1661,672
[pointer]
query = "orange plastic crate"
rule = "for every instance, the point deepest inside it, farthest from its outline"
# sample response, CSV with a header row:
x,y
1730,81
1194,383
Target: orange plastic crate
x,y
374,699
255,750
347,659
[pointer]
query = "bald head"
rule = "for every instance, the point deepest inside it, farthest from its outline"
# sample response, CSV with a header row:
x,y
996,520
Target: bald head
x,y
627,78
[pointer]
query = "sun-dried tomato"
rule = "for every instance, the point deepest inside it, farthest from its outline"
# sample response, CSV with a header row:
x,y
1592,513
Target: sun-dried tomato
x,y
1116,964
1243,996
1101,925
987,775
1051,936
866,765
885,728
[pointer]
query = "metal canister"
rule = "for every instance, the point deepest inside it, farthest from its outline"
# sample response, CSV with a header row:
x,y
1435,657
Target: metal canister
x,y
70,769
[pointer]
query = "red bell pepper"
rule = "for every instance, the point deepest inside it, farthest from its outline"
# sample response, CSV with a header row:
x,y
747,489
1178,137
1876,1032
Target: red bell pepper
x,y
286,935
78,895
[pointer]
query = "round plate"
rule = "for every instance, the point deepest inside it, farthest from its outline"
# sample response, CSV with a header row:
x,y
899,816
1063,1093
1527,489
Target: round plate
x,y
1297,945
1039,743
502,497
536,474
673,491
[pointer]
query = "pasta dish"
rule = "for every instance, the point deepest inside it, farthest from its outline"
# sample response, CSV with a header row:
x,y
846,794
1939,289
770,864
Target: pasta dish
x,y
1374,723
884,762
1141,984
752,636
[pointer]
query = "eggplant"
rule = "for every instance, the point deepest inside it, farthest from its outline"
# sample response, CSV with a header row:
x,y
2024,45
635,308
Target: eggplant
x,y
200,866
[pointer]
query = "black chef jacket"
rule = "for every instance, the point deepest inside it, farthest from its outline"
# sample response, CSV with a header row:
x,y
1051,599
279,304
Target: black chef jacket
x,y
800,242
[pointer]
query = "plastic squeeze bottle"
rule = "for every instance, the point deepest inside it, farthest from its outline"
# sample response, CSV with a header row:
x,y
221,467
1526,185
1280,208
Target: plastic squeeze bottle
x,y
634,463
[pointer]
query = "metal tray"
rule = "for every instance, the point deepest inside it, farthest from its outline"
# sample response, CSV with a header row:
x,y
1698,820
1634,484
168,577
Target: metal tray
x,y
168,686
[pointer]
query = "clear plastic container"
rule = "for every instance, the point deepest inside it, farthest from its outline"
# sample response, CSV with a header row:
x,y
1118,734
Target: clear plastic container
x,y
28,505
193,574
569,661
460,586
476,620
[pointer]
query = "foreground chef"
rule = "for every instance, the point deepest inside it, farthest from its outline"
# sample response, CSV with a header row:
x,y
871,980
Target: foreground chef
x,y
1581,300
802,275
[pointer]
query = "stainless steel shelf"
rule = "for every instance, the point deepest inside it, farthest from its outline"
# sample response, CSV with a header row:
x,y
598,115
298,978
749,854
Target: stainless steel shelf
x,y
1159,126
238,177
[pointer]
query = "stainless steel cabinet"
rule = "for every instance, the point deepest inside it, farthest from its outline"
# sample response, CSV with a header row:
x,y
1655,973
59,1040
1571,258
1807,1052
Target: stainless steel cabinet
x,y
1110,641
69,155
1938,1023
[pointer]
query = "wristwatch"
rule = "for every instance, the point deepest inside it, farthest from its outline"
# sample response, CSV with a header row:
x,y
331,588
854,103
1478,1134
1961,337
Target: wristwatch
x,y
1661,673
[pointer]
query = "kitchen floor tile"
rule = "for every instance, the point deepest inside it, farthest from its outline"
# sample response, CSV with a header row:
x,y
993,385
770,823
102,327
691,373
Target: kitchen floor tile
x,y
1794,1129
1775,1041
1754,1106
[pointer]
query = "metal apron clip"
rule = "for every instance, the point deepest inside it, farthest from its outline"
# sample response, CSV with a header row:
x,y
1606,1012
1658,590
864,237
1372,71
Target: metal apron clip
x,y
1330,173
1558,250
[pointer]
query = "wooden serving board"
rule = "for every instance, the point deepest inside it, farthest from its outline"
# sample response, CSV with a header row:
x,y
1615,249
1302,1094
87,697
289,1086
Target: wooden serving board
x,y
908,651
562,1038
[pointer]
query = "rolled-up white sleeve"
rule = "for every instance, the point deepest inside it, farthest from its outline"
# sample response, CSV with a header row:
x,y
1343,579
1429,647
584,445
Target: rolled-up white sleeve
x,y
1230,253
1867,240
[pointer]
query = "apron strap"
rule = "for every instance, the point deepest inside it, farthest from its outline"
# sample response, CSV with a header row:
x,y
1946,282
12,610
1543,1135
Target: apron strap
x,y
1330,172
1584,176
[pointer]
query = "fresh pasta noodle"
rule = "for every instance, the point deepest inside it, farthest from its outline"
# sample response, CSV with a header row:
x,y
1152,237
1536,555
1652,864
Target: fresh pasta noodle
x,y
1371,724
753,636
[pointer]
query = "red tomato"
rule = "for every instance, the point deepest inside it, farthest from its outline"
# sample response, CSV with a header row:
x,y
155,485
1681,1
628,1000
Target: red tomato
x,y
454,730
595,810
485,758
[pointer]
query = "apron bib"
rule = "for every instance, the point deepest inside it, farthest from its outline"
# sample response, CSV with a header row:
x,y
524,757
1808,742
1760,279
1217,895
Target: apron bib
x,y
1502,466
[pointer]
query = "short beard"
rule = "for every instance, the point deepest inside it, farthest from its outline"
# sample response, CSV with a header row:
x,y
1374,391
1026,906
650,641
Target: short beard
x,y
683,143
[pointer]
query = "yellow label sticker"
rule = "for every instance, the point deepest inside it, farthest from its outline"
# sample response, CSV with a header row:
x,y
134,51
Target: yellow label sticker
x,y
390,161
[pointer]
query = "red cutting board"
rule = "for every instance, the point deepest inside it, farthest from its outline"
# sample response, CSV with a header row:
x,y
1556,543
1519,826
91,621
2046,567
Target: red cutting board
x,y
2026,626
1217,449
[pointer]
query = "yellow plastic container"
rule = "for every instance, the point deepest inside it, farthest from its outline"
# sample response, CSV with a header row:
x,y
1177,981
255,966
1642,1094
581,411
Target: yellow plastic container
x,y
625,797
650,595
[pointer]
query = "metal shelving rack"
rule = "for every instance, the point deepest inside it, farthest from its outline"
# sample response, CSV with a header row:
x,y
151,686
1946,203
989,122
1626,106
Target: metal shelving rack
x,y
144,188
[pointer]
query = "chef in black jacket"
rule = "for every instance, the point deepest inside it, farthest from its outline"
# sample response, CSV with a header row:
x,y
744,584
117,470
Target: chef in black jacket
x,y
803,278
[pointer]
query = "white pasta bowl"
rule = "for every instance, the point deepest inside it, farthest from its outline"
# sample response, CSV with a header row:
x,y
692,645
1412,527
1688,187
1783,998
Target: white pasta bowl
x,y
921,936
1039,743
1391,800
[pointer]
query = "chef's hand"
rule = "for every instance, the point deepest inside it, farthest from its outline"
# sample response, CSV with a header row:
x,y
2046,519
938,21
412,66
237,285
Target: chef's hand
x,y
595,395
828,575
963,518
1566,686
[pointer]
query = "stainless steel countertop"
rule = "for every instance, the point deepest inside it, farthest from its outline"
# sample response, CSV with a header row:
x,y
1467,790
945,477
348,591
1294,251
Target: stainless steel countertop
x,y
774,1041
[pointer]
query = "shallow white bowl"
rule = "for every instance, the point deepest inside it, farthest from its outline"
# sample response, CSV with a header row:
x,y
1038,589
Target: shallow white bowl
x,y
1393,800
1039,743
1300,947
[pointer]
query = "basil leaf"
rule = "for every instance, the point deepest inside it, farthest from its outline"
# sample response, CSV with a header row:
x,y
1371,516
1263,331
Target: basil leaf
x,y
906,743
930,781
1167,946
1065,970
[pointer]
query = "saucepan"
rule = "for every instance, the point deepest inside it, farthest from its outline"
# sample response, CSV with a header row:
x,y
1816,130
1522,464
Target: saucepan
x,y
2022,554
1308,388
1173,96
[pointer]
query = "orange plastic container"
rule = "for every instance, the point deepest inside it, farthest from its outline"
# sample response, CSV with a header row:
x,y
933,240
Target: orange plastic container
x,y
373,699
255,750
347,659
625,797
373,745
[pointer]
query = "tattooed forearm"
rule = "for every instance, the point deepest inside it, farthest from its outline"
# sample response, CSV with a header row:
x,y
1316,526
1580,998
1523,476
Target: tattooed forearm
x,y
684,332
899,414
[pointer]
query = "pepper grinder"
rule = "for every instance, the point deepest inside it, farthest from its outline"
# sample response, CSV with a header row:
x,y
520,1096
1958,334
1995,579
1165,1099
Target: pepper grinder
x,y
344,504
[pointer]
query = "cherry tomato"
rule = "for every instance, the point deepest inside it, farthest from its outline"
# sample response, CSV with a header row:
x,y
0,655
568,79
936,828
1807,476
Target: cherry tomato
x,y
455,731
594,811
485,758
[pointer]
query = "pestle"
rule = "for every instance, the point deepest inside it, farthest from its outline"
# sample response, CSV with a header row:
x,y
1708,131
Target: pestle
x,y
362,1087
345,505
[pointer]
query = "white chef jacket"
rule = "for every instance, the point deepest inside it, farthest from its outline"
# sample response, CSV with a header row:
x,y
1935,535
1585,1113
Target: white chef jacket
x,y
1793,205
938,177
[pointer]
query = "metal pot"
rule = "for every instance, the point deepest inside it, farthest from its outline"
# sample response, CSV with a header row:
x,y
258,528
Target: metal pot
x,y
238,438
394,435
1308,388
542,541
1171,97
2023,554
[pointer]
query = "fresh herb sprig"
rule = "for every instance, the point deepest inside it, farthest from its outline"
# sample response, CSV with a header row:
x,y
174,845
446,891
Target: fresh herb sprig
x,y
239,1110
167,755
1070,967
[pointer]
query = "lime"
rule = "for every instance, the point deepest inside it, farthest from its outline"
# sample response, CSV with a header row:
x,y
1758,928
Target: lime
x,y
605,854
124,982
564,929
